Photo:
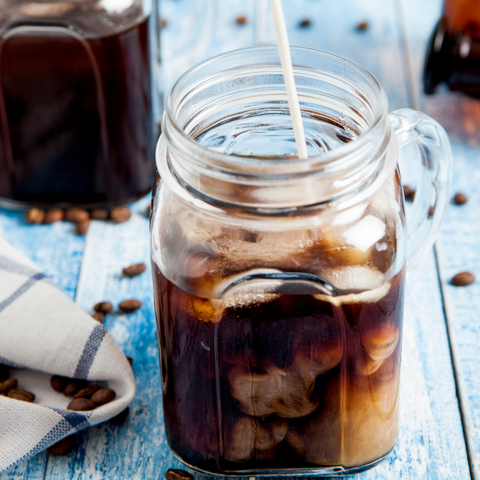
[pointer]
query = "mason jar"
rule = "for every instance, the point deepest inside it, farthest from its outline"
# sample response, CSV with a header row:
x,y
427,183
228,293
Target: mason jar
x,y
279,282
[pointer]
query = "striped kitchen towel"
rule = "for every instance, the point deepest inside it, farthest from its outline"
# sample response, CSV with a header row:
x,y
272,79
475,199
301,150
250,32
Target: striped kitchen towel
x,y
42,332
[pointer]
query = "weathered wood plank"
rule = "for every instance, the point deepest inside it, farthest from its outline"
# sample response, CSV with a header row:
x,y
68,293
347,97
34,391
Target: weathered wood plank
x,y
458,243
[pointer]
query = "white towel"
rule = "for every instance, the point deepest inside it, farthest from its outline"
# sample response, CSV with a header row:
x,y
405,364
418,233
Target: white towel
x,y
44,333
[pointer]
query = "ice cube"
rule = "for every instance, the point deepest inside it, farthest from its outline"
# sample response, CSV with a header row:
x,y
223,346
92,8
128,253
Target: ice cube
x,y
53,9
367,281
250,434
288,393
363,235
257,392
381,341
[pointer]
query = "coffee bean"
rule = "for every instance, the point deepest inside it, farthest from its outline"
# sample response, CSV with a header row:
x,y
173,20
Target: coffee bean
x,y
4,372
35,216
54,215
99,317
409,193
149,210
104,307
81,405
130,360
22,395
305,23
103,396
121,417
162,23
431,211
64,446
99,214
129,306
134,270
76,215
7,385
460,199
59,383
81,227
241,20
87,392
463,279
120,214
71,389
174,474
362,26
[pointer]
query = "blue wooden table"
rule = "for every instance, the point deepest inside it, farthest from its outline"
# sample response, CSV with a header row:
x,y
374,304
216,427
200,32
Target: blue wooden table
x,y
440,396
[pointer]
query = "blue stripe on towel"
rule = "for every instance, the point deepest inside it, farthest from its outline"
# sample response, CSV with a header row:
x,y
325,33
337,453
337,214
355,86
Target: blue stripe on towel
x,y
90,351
9,363
15,267
78,421
21,290
60,430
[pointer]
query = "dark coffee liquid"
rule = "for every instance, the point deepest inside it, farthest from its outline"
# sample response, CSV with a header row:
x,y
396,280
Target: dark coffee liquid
x,y
76,118
280,380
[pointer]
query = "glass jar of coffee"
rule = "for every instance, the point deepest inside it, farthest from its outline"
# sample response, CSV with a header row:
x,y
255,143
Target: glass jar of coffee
x,y
279,282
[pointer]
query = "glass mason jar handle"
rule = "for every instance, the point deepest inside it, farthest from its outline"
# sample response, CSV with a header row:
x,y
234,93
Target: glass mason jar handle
x,y
433,192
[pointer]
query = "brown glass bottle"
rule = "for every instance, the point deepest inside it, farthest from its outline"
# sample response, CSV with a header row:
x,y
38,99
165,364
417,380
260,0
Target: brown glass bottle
x,y
76,121
453,54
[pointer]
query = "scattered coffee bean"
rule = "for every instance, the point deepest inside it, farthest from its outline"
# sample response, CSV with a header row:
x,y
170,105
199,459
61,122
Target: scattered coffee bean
x,y
120,214
149,210
59,383
174,474
162,23
76,215
81,405
463,279
431,211
81,227
134,270
305,23
22,395
99,317
35,216
71,389
103,396
87,392
64,446
460,199
104,307
121,417
4,372
241,20
409,193
7,385
129,306
362,26
54,215
99,214
130,360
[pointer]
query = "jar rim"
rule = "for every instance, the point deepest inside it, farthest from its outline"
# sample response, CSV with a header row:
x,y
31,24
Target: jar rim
x,y
321,159
336,89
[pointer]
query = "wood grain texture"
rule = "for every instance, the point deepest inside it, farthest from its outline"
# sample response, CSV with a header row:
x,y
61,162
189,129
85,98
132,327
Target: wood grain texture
x,y
458,243
431,443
